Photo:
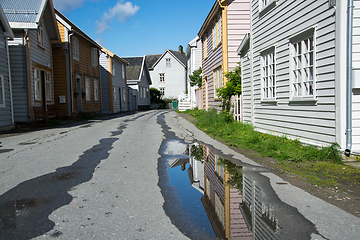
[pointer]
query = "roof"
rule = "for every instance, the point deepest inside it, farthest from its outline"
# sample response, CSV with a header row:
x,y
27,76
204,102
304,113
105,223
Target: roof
x,y
27,14
214,10
113,55
191,44
152,59
133,70
4,22
75,29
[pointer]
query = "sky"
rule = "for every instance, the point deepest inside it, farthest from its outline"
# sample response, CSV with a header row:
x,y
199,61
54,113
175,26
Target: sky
x,y
132,28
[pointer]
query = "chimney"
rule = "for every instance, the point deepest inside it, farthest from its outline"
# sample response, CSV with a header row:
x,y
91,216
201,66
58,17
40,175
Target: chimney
x,y
181,49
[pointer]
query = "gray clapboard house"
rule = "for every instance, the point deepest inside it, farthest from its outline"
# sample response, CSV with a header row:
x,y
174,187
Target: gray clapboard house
x,y
6,100
35,29
294,71
138,80
114,90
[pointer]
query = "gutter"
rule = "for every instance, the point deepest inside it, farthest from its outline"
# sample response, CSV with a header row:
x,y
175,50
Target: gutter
x,y
349,78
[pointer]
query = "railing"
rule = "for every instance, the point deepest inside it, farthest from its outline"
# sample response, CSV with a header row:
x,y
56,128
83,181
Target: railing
x,y
236,102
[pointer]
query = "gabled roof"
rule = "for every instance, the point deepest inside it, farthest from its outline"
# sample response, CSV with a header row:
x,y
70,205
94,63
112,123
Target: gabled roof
x,y
152,59
180,57
4,22
133,70
64,20
27,15
113,55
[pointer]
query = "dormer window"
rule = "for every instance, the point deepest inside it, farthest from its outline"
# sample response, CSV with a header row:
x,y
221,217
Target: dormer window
x,y
40,34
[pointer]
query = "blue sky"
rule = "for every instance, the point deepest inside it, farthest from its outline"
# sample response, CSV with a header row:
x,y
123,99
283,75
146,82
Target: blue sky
x,y
138,27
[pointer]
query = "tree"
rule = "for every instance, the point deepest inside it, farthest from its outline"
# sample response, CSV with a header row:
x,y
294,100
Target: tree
x,y
196,78
231,88
155,95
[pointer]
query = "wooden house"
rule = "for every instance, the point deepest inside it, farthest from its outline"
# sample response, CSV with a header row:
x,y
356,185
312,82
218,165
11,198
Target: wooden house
x,y
138,80
77,71
168,72
6,99
36,32
114,90
295,77
221,34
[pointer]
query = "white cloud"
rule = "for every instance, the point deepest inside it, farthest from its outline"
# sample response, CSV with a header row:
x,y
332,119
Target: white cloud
x,y
121,11
67,5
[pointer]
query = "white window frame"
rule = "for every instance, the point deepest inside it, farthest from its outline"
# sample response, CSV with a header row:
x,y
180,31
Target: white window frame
x,y
168,62
303,66
87,89
94,57
48,86
37,90
75,48
40,33
263,4
113,67
218,80
114,94
162,91
162,77
123,70
268,74
96,90
205,46
124,94
2,91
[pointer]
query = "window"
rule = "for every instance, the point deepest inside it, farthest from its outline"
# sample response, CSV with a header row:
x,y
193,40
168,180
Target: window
x,y
2,91
123,70
113,67
219,208
217,77
162,91
124,94
214,35
114,94
40,34
205,46
162,77
37,84
216,32
48,86
207,187
219,168
168,62
302,72
265,3
87,89
146,92
94,57
75,48
268,78
96,90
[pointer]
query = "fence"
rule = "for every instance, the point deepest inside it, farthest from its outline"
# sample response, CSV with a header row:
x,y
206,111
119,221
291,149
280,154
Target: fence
x,y
236,102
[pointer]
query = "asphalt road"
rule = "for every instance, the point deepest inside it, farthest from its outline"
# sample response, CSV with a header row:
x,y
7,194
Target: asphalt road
x,y
100,180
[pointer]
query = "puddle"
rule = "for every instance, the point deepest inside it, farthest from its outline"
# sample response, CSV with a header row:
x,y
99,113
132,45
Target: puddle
x,y
223,198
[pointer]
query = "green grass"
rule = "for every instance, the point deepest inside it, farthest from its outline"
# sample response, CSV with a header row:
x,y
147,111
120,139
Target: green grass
x,y
320,166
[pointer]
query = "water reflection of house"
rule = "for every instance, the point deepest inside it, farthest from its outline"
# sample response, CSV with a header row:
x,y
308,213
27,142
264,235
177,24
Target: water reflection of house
x,y
221,202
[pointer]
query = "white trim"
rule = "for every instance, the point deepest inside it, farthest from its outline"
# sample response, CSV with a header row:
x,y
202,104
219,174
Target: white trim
x,y
21,25
2,90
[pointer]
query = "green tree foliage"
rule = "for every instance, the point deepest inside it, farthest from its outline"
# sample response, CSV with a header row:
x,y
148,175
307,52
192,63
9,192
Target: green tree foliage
x,y
155,95
196,78
231,88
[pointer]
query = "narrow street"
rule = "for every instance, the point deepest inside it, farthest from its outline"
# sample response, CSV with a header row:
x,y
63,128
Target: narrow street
x,y
109,179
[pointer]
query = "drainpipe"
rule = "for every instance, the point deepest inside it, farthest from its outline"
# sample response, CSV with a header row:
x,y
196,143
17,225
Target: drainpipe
x,y
10,83
349,78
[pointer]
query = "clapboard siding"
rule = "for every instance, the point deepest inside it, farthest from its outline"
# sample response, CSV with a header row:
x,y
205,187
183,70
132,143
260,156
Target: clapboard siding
x,y
119,82
104,79
60,80
19,78
275,27
5,109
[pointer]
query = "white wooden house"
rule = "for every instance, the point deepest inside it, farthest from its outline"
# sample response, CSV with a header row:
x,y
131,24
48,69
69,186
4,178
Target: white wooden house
x,y
36,32
168,72
193,53
294,71
138,80
6,100
114,89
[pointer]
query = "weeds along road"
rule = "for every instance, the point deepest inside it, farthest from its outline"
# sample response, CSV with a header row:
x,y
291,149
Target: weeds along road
x,y
100,180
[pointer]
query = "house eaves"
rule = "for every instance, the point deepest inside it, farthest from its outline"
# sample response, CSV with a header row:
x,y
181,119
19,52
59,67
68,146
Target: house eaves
x,y
75,29
113,55
172,54
209,18
244,45
8,32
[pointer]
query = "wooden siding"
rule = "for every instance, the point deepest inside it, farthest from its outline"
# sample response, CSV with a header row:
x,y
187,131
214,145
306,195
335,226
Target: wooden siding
x,y
104,79
356,66
60,78
19,77
84,68
119,82
5,110
314,124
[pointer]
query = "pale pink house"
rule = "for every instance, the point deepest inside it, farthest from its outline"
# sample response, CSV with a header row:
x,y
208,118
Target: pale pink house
x,y
221,33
